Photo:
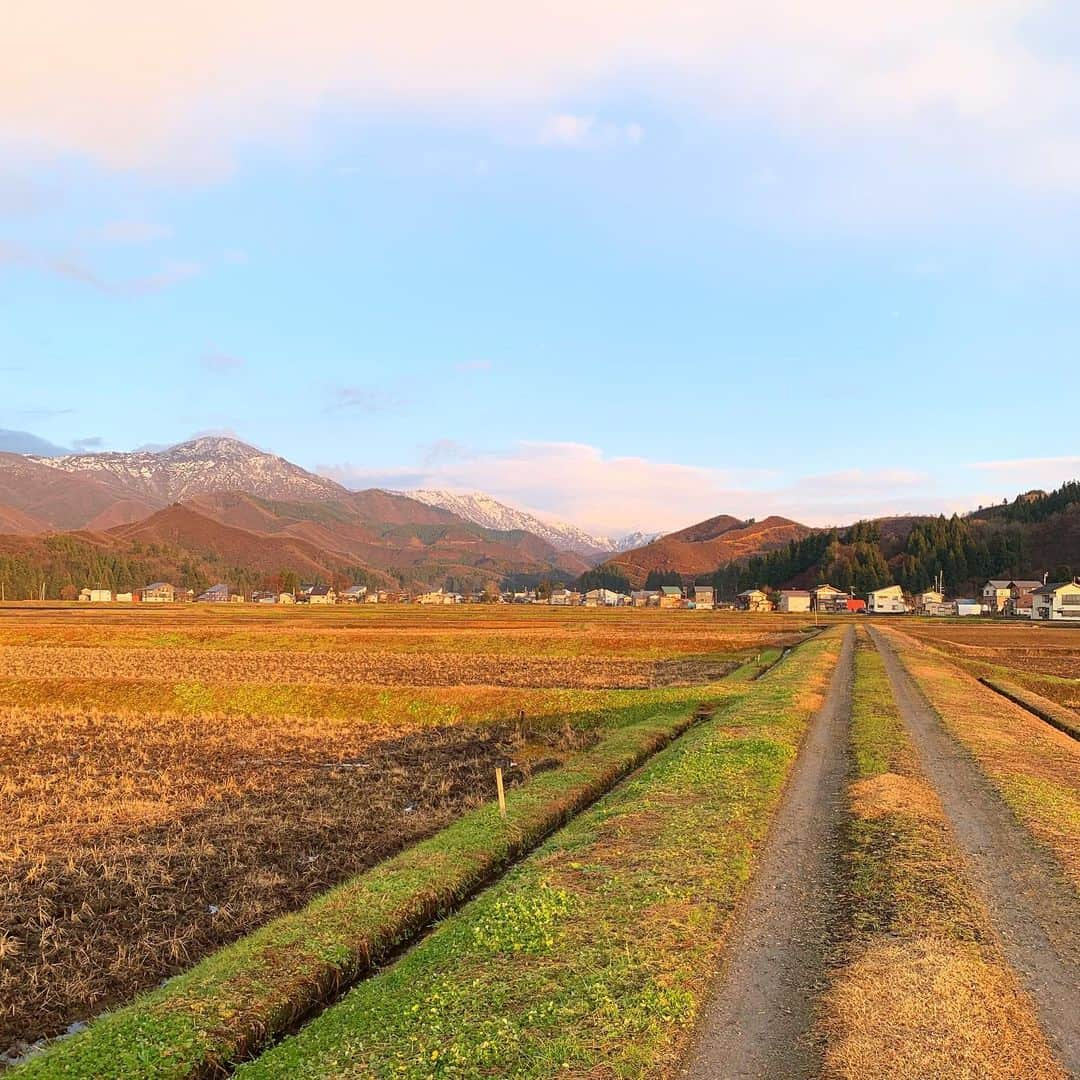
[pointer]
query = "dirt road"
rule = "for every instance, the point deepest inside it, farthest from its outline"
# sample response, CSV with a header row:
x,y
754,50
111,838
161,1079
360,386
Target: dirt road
x,y
757,1024
1034,910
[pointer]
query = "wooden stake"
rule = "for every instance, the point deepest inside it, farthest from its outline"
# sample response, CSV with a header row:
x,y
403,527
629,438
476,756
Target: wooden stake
x,y
502,793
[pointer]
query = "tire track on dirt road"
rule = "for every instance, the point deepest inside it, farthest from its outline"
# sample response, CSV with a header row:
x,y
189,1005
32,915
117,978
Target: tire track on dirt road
x,y
1034,910
759,1021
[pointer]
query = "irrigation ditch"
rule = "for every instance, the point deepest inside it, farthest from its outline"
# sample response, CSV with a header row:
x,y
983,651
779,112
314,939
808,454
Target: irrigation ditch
x,y
242,999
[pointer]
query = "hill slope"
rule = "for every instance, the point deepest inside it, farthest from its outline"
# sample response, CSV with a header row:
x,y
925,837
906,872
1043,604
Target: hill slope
x,y
61,500
702,548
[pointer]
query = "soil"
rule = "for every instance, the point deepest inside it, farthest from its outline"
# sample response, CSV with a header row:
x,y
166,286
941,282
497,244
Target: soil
x,y
100,921
1032,906
759,1021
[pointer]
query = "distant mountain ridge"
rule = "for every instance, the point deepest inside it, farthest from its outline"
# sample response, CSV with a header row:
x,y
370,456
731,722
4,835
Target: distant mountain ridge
x,y
485,510
198,466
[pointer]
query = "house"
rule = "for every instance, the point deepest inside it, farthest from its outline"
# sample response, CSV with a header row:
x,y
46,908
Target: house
x,y
886,601
263,597
1057,602
216,594
1020,592
704,597
183,596
322,594
794,600
644,598
564,598
354,594
286,598
602,598
967,607
671,596
827,598
96,596
928,599
437,597
124,598
1021,607
994,594
160,592
753,600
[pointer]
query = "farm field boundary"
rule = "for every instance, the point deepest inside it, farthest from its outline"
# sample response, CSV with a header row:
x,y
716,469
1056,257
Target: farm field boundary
x,y
246,994
1005,780
594,953
919,985
1043,708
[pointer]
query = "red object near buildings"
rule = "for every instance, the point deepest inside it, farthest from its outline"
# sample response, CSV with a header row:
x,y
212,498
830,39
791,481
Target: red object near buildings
x,y
855,605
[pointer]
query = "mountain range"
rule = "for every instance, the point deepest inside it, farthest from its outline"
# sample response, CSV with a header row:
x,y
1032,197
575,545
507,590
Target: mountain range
x,y
484,510
221,508
214,508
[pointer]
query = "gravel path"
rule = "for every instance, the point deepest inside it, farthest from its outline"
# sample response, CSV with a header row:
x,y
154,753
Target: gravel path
x,y
1033,908
758,1023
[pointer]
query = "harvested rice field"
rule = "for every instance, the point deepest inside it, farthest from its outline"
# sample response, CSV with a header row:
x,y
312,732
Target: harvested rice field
x,y
1045,659
269,845
171,779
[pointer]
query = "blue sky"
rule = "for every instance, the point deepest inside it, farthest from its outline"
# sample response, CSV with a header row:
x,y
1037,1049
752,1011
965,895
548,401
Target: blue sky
x,y
632,265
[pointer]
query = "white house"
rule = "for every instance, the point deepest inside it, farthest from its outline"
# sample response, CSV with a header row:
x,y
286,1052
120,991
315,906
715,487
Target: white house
x,y
886,601
794,600
96,596
967,607
827,598
704,597
1057,602
602,598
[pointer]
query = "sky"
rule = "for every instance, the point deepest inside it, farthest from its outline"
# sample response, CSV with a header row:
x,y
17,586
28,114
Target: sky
x,y
628,264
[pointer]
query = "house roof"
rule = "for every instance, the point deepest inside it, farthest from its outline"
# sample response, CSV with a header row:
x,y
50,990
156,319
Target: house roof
x,y
828,589
1054,587
795,592
157,585
999,583
1025,583
671,590
751,592
321,590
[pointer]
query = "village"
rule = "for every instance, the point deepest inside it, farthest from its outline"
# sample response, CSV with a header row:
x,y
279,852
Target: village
x,y
1022,599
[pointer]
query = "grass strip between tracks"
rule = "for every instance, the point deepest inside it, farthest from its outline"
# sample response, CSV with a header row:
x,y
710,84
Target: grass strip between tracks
x,y
920,986
592,956
245,995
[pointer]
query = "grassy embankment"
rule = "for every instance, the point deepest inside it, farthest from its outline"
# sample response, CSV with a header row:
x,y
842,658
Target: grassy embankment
x,y
920,987
1035,768
1054,714
592,956
236,999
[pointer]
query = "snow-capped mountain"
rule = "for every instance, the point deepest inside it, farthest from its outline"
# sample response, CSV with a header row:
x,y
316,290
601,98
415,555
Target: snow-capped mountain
x,y
634,540
488,512
200,466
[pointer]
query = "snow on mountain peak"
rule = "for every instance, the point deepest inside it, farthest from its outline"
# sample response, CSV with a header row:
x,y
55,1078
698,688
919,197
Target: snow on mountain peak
x,y
485,510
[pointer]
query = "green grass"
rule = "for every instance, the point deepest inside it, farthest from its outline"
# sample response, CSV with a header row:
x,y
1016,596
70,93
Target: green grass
x,y
902,863
236,999
592,956
1056,715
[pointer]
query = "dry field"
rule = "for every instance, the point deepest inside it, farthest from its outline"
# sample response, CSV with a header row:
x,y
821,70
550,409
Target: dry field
x,y
171,778
1045,659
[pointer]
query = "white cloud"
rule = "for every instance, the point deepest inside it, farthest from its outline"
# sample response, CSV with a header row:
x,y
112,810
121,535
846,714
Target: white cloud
x,y
568,130
579,483
364,399
604,494
984,83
